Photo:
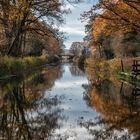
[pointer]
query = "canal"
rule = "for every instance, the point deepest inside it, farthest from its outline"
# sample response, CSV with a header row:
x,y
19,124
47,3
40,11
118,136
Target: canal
x,y
63,103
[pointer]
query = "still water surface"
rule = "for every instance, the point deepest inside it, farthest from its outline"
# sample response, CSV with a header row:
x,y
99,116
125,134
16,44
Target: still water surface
x,y
61,103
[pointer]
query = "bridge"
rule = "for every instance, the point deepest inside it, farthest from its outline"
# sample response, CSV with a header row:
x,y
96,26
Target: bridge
x,y
66,55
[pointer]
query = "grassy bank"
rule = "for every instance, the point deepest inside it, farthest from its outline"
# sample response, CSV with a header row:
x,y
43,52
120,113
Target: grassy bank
x,y
105,69
10,66
113,65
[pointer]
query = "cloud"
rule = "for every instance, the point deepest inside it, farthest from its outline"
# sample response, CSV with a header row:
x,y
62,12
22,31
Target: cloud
x,y
72,30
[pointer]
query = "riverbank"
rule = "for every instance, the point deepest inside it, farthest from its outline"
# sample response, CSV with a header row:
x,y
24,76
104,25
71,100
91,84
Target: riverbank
x,y
113,64
11,66
104,69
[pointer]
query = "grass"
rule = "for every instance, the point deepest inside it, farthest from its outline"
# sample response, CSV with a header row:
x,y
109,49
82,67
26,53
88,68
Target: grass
x,y
129,78
104,69
13,66
114,65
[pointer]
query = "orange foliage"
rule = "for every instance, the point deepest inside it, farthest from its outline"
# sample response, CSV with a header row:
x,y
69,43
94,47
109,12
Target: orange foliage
x,y
120,17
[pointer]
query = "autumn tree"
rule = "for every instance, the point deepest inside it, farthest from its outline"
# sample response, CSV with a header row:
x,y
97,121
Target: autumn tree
x,y
121,13
108,17
20,17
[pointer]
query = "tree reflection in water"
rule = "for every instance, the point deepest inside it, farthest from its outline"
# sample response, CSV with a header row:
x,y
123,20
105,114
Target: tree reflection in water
x,y
76,71
24,111
118,106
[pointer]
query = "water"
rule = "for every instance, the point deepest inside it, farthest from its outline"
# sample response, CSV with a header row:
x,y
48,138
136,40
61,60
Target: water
x,y
74,108
60,103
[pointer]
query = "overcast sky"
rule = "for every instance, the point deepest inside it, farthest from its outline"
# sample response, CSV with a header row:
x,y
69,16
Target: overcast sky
x,y
73,27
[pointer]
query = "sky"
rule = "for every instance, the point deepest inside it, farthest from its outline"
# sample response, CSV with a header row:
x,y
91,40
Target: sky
x,y
73,28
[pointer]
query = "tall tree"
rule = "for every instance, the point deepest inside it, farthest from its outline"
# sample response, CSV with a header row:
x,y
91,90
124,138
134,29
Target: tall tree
x,y
19,17
120,14
109,16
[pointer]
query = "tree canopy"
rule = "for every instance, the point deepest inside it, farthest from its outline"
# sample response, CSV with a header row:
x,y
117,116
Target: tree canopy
x,y
18,18
107,17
